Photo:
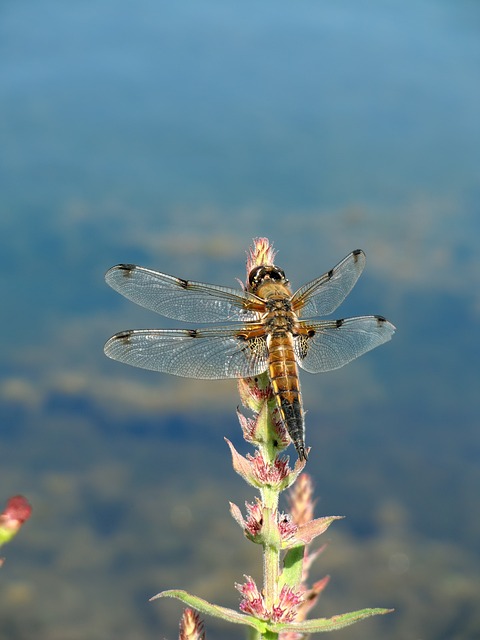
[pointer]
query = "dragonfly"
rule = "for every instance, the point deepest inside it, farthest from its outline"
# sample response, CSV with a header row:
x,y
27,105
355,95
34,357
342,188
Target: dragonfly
x,y
270,329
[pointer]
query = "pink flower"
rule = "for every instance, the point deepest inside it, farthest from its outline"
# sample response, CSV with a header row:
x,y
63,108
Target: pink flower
x,y
252,526
254,521
286,526
254,392
288,603
272,474
253,603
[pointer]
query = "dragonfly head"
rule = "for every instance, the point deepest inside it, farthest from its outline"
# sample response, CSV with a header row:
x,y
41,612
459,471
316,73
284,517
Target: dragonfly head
x,y
262,274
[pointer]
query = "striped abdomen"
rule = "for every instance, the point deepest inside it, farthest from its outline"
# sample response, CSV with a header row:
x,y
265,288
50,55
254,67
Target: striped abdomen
x,y
286,387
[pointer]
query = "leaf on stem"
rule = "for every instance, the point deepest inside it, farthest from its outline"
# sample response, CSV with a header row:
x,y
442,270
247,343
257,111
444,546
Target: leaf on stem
x,y
199,604
327,624
310,530
242,466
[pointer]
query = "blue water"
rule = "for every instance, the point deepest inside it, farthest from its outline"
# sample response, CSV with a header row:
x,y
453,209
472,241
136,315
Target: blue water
x,y
170,134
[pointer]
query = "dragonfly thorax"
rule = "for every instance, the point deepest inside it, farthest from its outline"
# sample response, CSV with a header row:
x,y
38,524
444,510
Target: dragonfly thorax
x,y
280,318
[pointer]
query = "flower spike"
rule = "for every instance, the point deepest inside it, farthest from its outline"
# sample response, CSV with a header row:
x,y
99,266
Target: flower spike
x,y
261,254
191,626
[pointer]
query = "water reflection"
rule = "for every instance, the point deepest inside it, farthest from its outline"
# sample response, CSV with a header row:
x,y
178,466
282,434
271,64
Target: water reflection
x,y
170,137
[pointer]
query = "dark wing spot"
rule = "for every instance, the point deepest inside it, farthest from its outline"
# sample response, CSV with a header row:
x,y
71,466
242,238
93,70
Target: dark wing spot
x,y
183,283
339,323
311,333
330,274
380,319
356,253
193,333
124,336
127,269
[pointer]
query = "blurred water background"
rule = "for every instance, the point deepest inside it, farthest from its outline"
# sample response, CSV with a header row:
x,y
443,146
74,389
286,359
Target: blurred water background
x,y
169,135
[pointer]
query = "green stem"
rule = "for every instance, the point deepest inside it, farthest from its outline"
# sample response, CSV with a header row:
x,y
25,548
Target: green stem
x,y
271,548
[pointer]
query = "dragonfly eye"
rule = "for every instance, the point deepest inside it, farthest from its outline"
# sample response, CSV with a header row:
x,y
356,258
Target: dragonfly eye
x,y
256,275
277,274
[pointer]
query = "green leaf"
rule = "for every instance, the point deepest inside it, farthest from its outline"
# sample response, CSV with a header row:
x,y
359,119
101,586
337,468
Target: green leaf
x,y
292,567
230,615
327,624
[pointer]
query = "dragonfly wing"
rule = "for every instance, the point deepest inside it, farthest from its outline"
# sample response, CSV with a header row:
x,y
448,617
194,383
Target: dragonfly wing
x,y
183,299
331,344
213,353
323,295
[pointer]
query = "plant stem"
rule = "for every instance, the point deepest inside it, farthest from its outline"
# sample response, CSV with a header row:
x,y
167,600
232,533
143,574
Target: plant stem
x,y
272,542
271,552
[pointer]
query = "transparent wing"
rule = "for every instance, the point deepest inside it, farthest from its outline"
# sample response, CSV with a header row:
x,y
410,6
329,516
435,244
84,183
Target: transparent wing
x,y
323,295
331,344
183,299
214,353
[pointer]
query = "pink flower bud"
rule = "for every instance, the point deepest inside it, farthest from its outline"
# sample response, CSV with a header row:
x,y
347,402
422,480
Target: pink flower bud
x,y
191,626
15,514
261,253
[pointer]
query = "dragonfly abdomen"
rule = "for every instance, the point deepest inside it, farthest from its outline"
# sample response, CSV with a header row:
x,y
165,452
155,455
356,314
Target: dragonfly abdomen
x,y
286,387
